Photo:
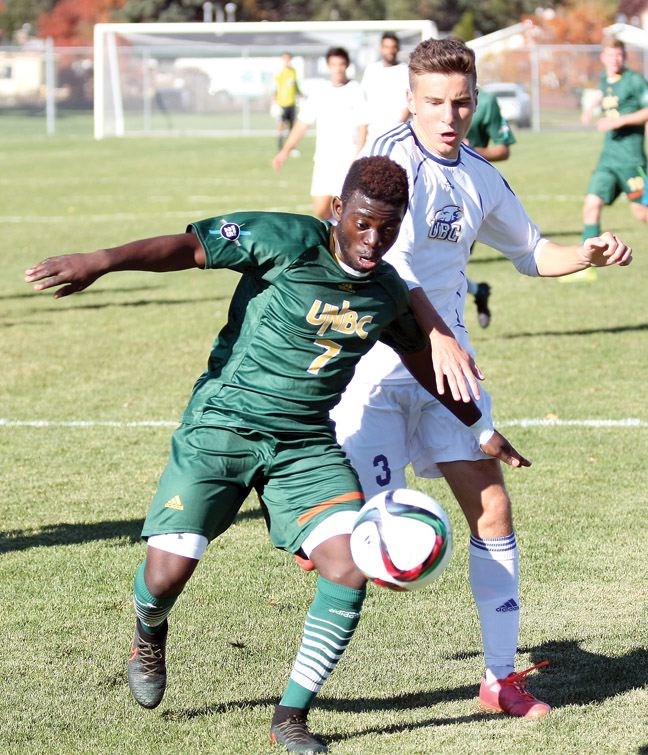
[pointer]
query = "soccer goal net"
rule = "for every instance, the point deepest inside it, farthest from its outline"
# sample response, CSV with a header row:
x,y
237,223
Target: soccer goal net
x,y
217,78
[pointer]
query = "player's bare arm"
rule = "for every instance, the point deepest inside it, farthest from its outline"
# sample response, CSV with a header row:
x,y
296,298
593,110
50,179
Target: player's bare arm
x,y
554,260
75,272
296,134
451,362
638,118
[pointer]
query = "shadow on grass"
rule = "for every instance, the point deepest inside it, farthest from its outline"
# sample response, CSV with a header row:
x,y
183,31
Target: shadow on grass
x,y
581,331
575,677
65,533
137,303
91,292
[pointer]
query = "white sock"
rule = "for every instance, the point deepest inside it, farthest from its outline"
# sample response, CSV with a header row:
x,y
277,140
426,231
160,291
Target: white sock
x,y
495,580
472,287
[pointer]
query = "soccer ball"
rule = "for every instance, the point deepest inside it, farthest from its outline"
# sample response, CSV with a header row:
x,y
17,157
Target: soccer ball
x,y
402,539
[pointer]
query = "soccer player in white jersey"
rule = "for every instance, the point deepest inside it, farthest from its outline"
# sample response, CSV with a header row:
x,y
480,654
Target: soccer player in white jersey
x,y
385,84
384,421
338,111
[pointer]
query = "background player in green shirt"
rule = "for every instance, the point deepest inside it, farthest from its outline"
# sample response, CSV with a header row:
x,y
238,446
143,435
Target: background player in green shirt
x,y
490,136
312,299
621,168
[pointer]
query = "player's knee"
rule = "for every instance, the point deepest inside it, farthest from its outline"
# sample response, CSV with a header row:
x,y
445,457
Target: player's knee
x,y
497,510
344,573
166,578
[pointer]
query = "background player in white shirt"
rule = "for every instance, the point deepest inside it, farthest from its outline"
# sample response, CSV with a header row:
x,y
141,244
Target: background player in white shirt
x,y
385,84
383,420
338,111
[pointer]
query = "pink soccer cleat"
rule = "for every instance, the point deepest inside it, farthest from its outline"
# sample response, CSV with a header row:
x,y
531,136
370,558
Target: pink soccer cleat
x,y
510,695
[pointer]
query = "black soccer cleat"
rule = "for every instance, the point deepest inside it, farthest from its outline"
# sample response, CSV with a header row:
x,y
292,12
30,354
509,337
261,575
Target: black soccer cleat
x,y
481,301
293,733
147,675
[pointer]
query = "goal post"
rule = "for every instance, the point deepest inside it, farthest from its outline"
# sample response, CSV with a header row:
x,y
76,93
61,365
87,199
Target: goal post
x,y
217,78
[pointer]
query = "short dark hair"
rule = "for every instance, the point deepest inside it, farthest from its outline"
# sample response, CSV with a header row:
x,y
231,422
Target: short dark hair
x,y
337,52
390,35
377,177
449,55
614,42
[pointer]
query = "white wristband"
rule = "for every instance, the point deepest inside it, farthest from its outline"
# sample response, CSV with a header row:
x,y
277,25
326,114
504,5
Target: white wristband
x,y
482,430
485,436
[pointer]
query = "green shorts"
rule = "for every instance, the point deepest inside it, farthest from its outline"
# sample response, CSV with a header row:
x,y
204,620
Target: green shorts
x,y
609,181
303,478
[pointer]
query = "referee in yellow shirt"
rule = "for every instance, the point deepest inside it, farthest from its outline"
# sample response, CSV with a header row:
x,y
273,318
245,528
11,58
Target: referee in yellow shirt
x,y
286,91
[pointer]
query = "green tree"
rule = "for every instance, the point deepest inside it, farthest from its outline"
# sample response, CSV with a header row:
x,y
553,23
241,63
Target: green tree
x,y
15,14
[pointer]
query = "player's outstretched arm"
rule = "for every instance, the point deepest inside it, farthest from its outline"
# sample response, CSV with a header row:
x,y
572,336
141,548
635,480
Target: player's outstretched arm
x,y
75,272
453,365
554,260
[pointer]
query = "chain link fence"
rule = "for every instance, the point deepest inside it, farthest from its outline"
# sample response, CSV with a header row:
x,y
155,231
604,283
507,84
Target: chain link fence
x,y
47,83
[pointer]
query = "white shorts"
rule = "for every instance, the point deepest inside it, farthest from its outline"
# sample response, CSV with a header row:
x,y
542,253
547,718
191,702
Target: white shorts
x,y
383,428
328,177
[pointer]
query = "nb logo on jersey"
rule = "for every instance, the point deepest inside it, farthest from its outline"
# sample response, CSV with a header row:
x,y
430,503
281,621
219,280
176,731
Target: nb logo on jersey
x,y
446,224
229,231
341,319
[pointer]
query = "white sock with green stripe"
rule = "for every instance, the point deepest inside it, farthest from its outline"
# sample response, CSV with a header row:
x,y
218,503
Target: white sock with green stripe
x,y
330,624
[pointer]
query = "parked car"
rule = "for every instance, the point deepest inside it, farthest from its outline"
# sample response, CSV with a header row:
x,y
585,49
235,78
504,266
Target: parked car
x,y
514,102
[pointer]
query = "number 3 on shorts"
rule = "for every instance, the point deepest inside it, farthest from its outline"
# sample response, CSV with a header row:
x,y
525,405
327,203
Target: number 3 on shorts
x,y
381,462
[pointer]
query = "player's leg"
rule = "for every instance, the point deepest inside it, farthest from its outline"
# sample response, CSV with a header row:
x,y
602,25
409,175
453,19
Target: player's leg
x,y
158,583
443,446
636,189
603,189
313,501
372,424
283,127
481,293
479,489
639,211
592,211
191,506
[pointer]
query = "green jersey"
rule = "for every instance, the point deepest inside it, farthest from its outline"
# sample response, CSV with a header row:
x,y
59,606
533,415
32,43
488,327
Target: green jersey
x,y
297,325
488,123
626,94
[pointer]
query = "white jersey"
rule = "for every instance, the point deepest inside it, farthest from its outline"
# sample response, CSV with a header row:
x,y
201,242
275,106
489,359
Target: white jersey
x,y
337,113
385,89
453,203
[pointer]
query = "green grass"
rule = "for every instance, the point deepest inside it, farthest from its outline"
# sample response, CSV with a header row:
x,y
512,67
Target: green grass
x,y
129,349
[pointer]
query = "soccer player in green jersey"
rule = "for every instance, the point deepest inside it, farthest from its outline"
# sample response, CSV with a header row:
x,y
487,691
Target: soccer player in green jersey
x,y
312,299
621,168
490,136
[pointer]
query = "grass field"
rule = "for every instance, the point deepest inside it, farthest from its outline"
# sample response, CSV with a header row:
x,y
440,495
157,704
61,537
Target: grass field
x,y
85,380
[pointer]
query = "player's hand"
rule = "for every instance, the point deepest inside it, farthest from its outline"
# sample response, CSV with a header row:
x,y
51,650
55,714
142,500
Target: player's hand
x,y
608,124
73,272
607,249
278,160
499,448
456,365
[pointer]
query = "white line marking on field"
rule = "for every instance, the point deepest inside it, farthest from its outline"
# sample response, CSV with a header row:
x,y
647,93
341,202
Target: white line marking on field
x,y
598,423
628,422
